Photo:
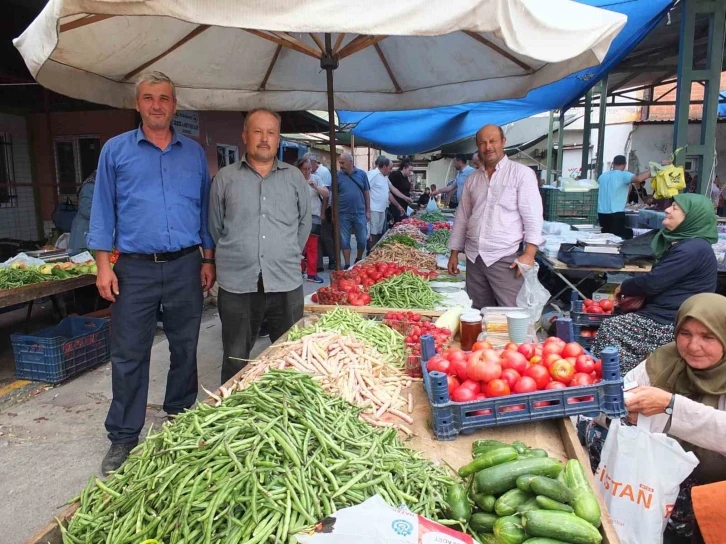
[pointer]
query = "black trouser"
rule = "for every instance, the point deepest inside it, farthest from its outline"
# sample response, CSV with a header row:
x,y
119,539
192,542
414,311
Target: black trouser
x,y
143,285
613,223
241,316
326,241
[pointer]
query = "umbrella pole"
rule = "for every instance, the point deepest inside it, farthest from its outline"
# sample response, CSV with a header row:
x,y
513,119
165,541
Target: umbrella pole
x,y
330,63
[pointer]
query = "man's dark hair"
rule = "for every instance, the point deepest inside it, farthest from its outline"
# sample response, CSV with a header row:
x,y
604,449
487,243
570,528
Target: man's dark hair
x,y
405,163
382,161
460,157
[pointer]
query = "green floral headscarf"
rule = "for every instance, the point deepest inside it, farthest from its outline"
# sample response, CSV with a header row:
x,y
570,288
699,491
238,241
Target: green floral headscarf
x,y
700,222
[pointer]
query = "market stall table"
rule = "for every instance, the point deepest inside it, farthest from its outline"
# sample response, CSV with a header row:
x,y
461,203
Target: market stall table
x,y
561,270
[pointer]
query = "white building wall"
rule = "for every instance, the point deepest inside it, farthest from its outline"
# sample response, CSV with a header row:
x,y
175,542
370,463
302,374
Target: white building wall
x,y
19,222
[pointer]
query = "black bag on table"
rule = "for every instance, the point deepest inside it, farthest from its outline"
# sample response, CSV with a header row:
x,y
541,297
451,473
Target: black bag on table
x,y
574,256
638,248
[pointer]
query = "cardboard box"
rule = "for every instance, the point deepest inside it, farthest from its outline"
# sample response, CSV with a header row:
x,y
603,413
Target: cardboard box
x,y
607,291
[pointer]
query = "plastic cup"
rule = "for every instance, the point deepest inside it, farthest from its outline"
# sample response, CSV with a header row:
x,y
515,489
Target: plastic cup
x,y
518,325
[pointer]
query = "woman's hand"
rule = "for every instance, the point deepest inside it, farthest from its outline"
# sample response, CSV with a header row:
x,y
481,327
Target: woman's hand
x,y
648,401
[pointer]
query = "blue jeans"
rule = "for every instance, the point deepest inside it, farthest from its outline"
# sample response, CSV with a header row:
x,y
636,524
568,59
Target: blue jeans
x,y
353,223
143,285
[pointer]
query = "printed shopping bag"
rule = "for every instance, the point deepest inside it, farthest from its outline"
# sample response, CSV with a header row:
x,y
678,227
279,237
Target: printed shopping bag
x,y
639,477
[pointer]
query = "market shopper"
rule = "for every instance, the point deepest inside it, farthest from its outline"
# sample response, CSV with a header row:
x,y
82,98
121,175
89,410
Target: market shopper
x,y
354,207
326,245
685,265
150,202
463,173
82,220
613,196
318,201
685,379
476,161
399,178
383,193
259,217
500,209
423,200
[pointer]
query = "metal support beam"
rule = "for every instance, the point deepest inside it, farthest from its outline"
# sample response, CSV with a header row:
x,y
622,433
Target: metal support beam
x,y
601,125
560,143
586,133
550,142
710,74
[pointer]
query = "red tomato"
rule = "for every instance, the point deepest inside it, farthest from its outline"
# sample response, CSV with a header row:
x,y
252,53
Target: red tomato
x,y
586,333
595,310
536,360
462,394
480,345
497,388
480,396
525,384
454,354
551,348
562,371
458,368
584,363
452,383
588,302
315,297
539,374
571,360
538,350
606,305
542,403
573,349
513,359
510,376
598,367
556,385
471,384
580,378
554,340
527,350
439,363
485,371
515,408
551,358
487,355
511,346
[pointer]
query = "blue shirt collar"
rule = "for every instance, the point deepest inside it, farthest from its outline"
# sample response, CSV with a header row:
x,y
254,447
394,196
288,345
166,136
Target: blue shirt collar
x,y
141,136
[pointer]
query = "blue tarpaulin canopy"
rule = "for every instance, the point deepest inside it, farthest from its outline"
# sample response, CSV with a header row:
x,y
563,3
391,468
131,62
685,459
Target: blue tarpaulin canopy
x,y
407,132
722,105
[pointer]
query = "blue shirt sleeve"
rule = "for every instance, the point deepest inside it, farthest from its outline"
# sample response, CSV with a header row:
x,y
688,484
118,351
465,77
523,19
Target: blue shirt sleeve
x,y
103,210
626,177
207,241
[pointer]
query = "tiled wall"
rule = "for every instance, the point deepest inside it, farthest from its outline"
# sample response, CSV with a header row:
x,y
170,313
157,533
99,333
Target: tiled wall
x,y
19,222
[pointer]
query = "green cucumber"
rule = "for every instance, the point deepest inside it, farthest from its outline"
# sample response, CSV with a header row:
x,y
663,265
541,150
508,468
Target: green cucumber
x,y
501,478
530,504
484,446
489,459
509,530
58,273
562,479
508,503
458,502
485,502
562,525
545,503
481,522
523,482
540,540
521,447
538,452
585,503
552,489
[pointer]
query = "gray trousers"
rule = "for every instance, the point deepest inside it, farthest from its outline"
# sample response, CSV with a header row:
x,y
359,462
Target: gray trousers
x,y
495,285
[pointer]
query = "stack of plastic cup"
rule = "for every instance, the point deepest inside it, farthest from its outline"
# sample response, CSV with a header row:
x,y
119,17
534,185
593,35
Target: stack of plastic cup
x,y
518,325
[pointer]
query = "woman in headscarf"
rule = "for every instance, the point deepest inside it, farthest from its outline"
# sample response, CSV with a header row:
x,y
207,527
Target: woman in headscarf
x,y
686,380
685,265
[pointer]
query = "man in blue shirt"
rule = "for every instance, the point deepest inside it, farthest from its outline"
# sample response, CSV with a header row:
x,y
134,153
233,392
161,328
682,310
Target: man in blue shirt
x,y
151,203
613,196
354,206
457,184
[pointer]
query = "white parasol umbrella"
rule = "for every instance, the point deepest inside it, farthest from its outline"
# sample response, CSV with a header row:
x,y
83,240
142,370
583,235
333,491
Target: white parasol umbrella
x,y
242,54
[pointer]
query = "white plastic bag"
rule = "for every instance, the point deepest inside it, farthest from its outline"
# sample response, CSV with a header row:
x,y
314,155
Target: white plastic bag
x,y
532,297
431,206
639,477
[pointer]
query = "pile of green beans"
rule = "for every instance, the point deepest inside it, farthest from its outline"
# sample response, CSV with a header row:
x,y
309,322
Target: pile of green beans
x,y
406,290
404,239
11,278
388,342
438,241
269,462
432,217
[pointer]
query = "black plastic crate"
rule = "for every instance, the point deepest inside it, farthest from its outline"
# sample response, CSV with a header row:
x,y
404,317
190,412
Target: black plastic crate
x,y
57,353
582,318
573,208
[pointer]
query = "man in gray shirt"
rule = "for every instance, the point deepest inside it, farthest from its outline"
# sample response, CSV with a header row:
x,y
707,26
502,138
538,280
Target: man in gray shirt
x,y
259,217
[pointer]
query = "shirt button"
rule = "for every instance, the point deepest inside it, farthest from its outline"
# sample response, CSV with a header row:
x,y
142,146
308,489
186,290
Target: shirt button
x,y
264,198
263,215
263,237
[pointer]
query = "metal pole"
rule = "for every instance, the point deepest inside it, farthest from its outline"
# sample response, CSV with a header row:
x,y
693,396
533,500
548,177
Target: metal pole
x,y
550,142
602,124
560,144
586,133
330,63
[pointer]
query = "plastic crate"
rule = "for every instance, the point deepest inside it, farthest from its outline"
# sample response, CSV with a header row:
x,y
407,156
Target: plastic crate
x,y
570,331
573,208
57,353
582,318
449,418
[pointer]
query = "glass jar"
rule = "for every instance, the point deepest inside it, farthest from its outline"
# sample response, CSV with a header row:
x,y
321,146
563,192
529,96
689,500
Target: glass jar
x,y
469,329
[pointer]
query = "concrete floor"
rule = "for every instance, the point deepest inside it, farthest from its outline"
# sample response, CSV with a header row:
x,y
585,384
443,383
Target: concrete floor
x,y
52,439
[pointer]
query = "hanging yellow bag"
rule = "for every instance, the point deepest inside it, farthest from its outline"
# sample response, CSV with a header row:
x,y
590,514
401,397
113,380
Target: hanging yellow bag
x,y
667,180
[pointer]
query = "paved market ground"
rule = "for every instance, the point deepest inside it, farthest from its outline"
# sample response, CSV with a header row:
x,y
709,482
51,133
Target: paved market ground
x,y
52,439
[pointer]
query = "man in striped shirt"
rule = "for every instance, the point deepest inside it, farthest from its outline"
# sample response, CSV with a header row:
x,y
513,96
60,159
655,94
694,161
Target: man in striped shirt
x,y
500,209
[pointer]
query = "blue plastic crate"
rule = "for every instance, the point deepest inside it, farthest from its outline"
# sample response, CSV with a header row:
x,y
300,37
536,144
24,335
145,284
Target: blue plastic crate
x,y
450,418
580,317
57,353
569,331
